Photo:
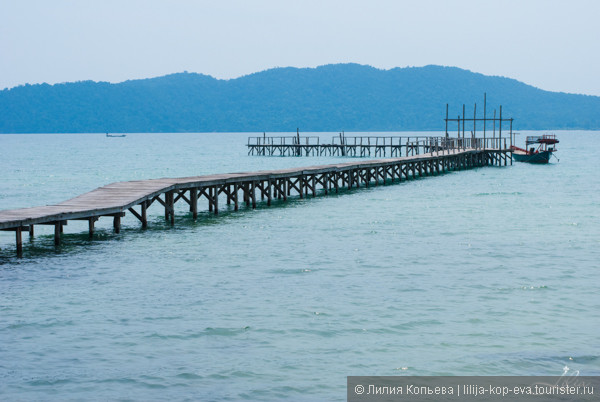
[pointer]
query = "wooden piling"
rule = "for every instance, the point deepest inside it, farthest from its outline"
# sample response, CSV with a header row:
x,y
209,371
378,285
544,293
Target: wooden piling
x,y
194,203
117,223
57,232
145,215
19,239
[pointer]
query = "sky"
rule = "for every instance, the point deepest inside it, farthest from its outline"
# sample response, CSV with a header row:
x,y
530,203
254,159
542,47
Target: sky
x,y
550,44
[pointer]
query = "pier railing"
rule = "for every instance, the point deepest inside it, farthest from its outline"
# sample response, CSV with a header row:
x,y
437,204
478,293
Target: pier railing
x,y
368,146
284,140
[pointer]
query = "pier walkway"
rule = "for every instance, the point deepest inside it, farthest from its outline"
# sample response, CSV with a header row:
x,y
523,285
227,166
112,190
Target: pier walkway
x,y
116,199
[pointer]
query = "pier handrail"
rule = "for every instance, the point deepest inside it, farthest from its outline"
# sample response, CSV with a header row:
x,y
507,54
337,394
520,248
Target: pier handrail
x,y
283,140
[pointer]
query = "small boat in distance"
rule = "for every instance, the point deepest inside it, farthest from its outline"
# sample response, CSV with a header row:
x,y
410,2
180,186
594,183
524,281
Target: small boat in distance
x,y
545,147
116,135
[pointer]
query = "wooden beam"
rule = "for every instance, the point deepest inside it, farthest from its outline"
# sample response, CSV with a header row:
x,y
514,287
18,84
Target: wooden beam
x,y
134,213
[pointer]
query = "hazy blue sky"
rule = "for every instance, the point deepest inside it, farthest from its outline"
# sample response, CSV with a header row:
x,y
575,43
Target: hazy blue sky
x,y
550,44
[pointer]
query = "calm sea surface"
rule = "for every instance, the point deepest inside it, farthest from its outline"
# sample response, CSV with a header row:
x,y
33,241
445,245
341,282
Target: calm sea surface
x,y
491,271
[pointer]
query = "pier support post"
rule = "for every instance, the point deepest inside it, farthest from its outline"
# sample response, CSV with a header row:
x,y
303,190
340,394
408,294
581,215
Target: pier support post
x,y
215,195
166,204
235,196
57,231
253,194
91,227
30,231
144,214
269,190
246,191
19,240
171,205
284,187
117,223
194,203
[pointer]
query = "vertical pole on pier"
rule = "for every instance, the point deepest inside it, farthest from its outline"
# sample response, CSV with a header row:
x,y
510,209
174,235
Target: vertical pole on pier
x,y
475,120
463,116
511,140
446,119
253,194
210,199
19,240
117,223
484,117
30,231
314,185
193,202
57,228
494,123
500,128
91,227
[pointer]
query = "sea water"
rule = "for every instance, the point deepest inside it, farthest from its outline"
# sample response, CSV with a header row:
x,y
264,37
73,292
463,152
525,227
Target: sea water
x,y
489,271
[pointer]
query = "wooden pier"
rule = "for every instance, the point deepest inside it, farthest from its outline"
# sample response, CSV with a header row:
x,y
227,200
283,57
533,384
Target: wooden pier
x,y
380,146
353,146
115,200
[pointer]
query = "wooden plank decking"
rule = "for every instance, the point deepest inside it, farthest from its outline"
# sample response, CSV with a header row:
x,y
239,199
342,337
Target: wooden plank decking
x,y
115,199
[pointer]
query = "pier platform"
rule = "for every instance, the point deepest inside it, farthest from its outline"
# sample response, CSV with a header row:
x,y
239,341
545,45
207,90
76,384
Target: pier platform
x,y
135,197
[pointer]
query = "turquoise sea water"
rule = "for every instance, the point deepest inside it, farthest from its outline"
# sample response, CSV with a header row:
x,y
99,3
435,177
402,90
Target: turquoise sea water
x,y
491,271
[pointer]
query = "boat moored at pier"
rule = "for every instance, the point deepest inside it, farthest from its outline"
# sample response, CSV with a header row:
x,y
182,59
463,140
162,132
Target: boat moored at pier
x,y
546,145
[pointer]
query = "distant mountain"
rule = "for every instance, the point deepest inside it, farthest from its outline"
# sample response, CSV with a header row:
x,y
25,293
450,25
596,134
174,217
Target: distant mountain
x,y
348,97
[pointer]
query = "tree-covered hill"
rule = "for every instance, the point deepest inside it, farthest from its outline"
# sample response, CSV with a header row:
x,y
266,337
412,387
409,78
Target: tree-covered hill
x,y
336,97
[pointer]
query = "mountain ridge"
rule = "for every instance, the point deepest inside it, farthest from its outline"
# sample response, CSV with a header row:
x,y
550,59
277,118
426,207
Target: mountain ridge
x,y
333,97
